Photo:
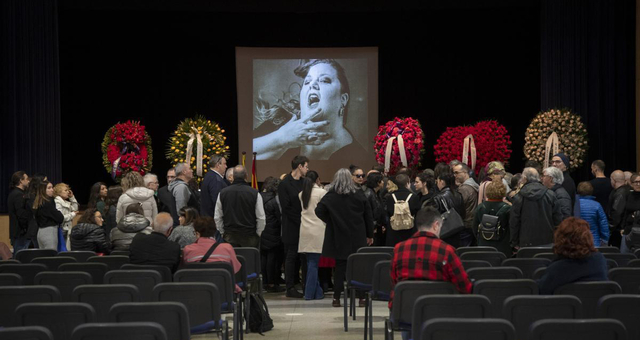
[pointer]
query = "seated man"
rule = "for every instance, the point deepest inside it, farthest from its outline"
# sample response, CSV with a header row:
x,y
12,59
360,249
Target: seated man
x,y
155,248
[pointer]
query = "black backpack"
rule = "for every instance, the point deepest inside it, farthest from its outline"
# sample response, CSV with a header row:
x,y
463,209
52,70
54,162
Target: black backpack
x,y
259,319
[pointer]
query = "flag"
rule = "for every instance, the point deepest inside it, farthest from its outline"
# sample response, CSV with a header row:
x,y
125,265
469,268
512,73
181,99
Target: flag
x,y
244,155
254,176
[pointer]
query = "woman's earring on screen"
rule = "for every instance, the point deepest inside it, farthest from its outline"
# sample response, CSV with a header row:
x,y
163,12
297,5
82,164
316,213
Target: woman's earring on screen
x,y
341,112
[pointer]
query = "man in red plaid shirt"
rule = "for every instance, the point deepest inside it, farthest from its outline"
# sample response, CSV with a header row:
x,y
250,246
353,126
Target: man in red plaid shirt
x,y
425,257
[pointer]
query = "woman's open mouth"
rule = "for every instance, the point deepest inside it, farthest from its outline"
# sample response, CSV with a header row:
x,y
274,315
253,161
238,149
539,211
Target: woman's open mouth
x,y
313,100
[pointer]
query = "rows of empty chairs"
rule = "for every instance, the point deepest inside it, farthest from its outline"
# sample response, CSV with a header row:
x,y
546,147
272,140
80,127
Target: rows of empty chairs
x,y
72,295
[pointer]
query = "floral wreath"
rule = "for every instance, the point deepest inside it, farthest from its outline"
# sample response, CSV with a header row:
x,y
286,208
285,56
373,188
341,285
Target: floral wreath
x,y
194,142
556,131
485,142
402,133
126,147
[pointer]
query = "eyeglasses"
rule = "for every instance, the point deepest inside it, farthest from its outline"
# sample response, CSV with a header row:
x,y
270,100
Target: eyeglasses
x,y
635,183
556,162
359,176
458,172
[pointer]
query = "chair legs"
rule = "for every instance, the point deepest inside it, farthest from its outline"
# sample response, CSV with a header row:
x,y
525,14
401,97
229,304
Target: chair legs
x,y
345,293
366,317
247,300
370,308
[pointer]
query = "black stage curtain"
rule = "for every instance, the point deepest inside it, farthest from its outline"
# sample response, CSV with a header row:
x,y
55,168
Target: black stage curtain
x,y
30,91
588,65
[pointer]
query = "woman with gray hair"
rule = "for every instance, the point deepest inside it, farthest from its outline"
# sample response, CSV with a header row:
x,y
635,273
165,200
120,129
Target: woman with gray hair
x,y
349,220
552,178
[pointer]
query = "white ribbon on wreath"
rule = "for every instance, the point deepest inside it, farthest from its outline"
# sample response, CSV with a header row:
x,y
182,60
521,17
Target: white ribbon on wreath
x,y
469,149
550,147
387,156
196,136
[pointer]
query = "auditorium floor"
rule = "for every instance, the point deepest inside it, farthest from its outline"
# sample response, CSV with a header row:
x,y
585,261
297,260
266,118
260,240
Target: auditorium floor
x,y
297,319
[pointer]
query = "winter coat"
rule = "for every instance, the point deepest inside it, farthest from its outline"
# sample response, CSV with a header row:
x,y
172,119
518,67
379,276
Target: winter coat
x,y
140,195
564,270
109,222
592,212
127,229
270,237
631,206
155,249
564,200
183,195
288,191
502,210
451,197
311,227
615,210
469,192
534,216
19,213
183,235
570,186
89,236
68,210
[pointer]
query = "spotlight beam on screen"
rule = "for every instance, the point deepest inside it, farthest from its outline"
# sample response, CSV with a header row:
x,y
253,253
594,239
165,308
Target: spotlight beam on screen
x,y
317,102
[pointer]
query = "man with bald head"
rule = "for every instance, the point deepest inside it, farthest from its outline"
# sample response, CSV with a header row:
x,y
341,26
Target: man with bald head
x,y
615,208
155,248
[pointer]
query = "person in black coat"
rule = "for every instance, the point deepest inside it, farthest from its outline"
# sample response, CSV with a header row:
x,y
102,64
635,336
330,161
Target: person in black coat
x,y
212,184
448,198
155,248
19,213
561,161
615,209
396,236
165,197
88,234
270,241
373,187
349,220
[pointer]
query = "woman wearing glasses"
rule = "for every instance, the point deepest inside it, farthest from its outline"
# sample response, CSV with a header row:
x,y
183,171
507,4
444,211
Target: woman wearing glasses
x,y
358,176
631,232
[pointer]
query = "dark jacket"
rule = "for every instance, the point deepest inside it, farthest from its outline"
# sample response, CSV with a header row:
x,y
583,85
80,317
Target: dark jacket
x,y
47,215
564,271
89,236
270,237
19,213
109,222
155,249
452,198
167,203
602,190
239,208
211,186
615,209
564,200
378,210
127,229
534,215
570,186
396,236
502,210
469,192
349,223
288,191
631,206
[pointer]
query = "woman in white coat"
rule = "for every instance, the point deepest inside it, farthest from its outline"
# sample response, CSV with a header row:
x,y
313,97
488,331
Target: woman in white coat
x,y
136,192
311,233
66,204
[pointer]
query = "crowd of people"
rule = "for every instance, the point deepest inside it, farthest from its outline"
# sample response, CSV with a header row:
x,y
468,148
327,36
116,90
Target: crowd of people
x,y
305,227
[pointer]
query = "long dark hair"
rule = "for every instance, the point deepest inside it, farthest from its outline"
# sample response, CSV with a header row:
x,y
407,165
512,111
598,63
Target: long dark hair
x,y
307,185
34,183
113,194
94,195
41,195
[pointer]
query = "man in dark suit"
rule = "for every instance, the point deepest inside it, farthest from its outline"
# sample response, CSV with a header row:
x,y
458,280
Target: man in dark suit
x,y
155,248
165,197
212,184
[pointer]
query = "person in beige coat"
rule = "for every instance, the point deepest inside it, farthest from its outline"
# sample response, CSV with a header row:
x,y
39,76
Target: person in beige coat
x,y
136,192
311,233
66,204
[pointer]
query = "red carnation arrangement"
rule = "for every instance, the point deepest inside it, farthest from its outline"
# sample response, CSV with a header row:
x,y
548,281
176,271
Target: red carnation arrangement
x,y
126,147
492,142
412,135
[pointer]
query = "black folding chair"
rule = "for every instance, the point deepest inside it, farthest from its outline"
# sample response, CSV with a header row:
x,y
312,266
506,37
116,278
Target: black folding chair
x,y
27,271
462,250
493,257
26,255
388,250
10,279
120,252
530,252
448,306
612,264
144,280
12,297
608,250
164,271
120,331
172,316
624,308
79,255
627,278
527,265
61,318
103,297
469,264
633,264
96,270
523,311
25,333
539,273
66,282
466,329
499,290
10,261
581,329
549,256
242,280
380,291
54,262
589,293
621,259
113,261
494,273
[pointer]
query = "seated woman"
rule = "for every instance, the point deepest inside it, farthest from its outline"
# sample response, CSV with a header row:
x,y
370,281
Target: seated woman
x,y
184,234
578,259
88,233
129,226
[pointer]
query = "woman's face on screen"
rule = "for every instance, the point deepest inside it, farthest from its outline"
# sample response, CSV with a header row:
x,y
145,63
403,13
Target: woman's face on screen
x,y
321,90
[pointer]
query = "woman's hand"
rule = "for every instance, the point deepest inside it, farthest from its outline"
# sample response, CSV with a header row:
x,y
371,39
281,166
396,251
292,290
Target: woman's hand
x,y
298,132
369,241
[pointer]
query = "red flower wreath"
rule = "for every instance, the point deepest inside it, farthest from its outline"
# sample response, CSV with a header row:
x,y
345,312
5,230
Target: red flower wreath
x,y
412,135
491,139
126,147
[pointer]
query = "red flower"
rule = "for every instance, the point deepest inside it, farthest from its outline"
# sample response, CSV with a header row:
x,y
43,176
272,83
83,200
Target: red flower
x,y
413,142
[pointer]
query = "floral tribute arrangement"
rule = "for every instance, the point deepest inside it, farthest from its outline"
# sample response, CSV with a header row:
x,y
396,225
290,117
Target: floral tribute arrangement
x,y
490,141
194,142
411,142
556,131
126,147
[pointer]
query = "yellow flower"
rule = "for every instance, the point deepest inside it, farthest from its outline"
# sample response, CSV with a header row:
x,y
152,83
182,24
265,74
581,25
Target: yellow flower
x,y
173,148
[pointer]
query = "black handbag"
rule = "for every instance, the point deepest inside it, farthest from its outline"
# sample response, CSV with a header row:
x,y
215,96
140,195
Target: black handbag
x,y
451,221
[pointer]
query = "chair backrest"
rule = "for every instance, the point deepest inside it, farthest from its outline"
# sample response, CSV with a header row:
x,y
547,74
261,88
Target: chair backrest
x,y
608,250
548,256
12,297
633,263
164,271
209,265
144,280
493,257
61,318
527,265
172,316
218,276
621,259
96,270
499,290
79,255
54,262
581,329
241,275
26,255
66,282
405,295
360,268
494,273
252,257
10,279
589,293
27,271
120,331
624,308
388,250
201,299
467,329
120,252
627,278
113,261
530,252
448,306
462,250
381,281
25,333
103,297
612,264
10,261
469,264
523,311
539,273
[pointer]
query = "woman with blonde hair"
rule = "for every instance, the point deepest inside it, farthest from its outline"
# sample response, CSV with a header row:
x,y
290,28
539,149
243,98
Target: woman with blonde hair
x,y
66,203
47,216
136,192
